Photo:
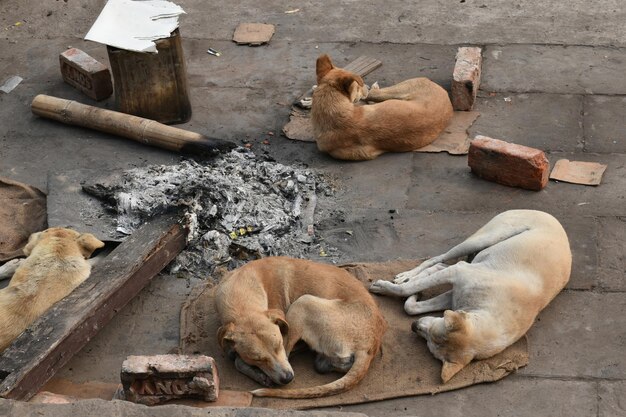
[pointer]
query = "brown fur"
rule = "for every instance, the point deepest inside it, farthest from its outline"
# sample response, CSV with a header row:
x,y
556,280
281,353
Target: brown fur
x,y
251,303
405,117
55,265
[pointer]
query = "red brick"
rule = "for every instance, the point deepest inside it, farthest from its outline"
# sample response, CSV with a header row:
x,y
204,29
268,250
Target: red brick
x,y
466,77
156,379
508,163
86,74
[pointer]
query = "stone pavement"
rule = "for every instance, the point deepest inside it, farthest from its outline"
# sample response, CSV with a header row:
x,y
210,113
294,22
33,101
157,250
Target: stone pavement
x,y
559,64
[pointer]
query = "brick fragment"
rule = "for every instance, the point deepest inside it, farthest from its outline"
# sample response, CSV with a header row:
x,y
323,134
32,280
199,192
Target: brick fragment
x,y
466,77
508,163
84,73
156,379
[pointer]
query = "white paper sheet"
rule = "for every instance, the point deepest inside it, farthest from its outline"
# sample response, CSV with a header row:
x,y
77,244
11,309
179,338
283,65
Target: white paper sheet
x,y
11,83
134,25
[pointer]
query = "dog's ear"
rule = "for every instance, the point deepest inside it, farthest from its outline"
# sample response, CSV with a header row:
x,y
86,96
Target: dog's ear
x,y
225,334
454,320
449,369
322,66
32,242
88,243
349,84
278,317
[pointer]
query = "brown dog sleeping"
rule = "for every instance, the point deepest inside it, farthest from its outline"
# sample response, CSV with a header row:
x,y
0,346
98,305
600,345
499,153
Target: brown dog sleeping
x,y
268,305
404,117
56,263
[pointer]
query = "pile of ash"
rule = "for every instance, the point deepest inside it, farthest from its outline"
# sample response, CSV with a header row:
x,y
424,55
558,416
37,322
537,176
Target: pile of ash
x,y
238,207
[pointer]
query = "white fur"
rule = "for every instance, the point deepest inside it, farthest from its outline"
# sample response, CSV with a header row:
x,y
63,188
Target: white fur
x,y
522,260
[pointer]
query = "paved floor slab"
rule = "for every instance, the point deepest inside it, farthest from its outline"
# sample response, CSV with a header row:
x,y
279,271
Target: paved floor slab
x,y
44,146
612,399
379,235
612,253
544,121
554,69
429,21
561,52
457,189
604,120
236,113
357,179
576,22
513,396
284,65
580,334
132,331
97,408
38,62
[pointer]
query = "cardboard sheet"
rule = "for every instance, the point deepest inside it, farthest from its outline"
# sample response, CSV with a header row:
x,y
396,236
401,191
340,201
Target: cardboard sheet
x,y
406,367
134,25
299,126
455,139
577,172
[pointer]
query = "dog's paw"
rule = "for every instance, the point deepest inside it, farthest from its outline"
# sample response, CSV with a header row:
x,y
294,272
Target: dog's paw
x,y
253,373
375,86
403,277
306,102
380,287
8,269
411,306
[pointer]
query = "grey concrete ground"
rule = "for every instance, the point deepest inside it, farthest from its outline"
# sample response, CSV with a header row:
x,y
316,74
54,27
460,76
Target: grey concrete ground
x,y
561,64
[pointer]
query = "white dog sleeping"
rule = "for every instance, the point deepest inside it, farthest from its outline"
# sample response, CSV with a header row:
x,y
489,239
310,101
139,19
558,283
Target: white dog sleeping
x,y
521,261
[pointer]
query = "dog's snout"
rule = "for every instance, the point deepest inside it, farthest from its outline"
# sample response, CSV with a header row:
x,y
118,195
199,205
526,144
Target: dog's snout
x,y
286,377
415,326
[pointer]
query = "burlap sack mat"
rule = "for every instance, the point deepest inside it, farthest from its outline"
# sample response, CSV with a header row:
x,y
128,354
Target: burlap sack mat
x,y
405,368
22,212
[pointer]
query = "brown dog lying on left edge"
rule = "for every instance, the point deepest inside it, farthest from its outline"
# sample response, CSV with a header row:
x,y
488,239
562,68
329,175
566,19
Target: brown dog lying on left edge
x,y
56,263
404,117
267,306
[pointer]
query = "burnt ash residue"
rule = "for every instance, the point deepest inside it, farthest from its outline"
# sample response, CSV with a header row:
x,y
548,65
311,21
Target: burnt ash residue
x,y
238,207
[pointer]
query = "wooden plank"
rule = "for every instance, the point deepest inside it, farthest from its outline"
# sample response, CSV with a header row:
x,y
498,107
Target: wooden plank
x,y
49,343
362,66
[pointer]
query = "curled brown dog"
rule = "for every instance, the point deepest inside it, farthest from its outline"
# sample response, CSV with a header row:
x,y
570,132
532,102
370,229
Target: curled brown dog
x,y
325,306
404,117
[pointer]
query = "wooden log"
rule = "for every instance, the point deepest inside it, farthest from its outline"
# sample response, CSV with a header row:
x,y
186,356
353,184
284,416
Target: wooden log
x,y
146,131
51,341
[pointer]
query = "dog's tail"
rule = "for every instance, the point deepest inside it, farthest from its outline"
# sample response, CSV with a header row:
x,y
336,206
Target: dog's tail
x,y
357,372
